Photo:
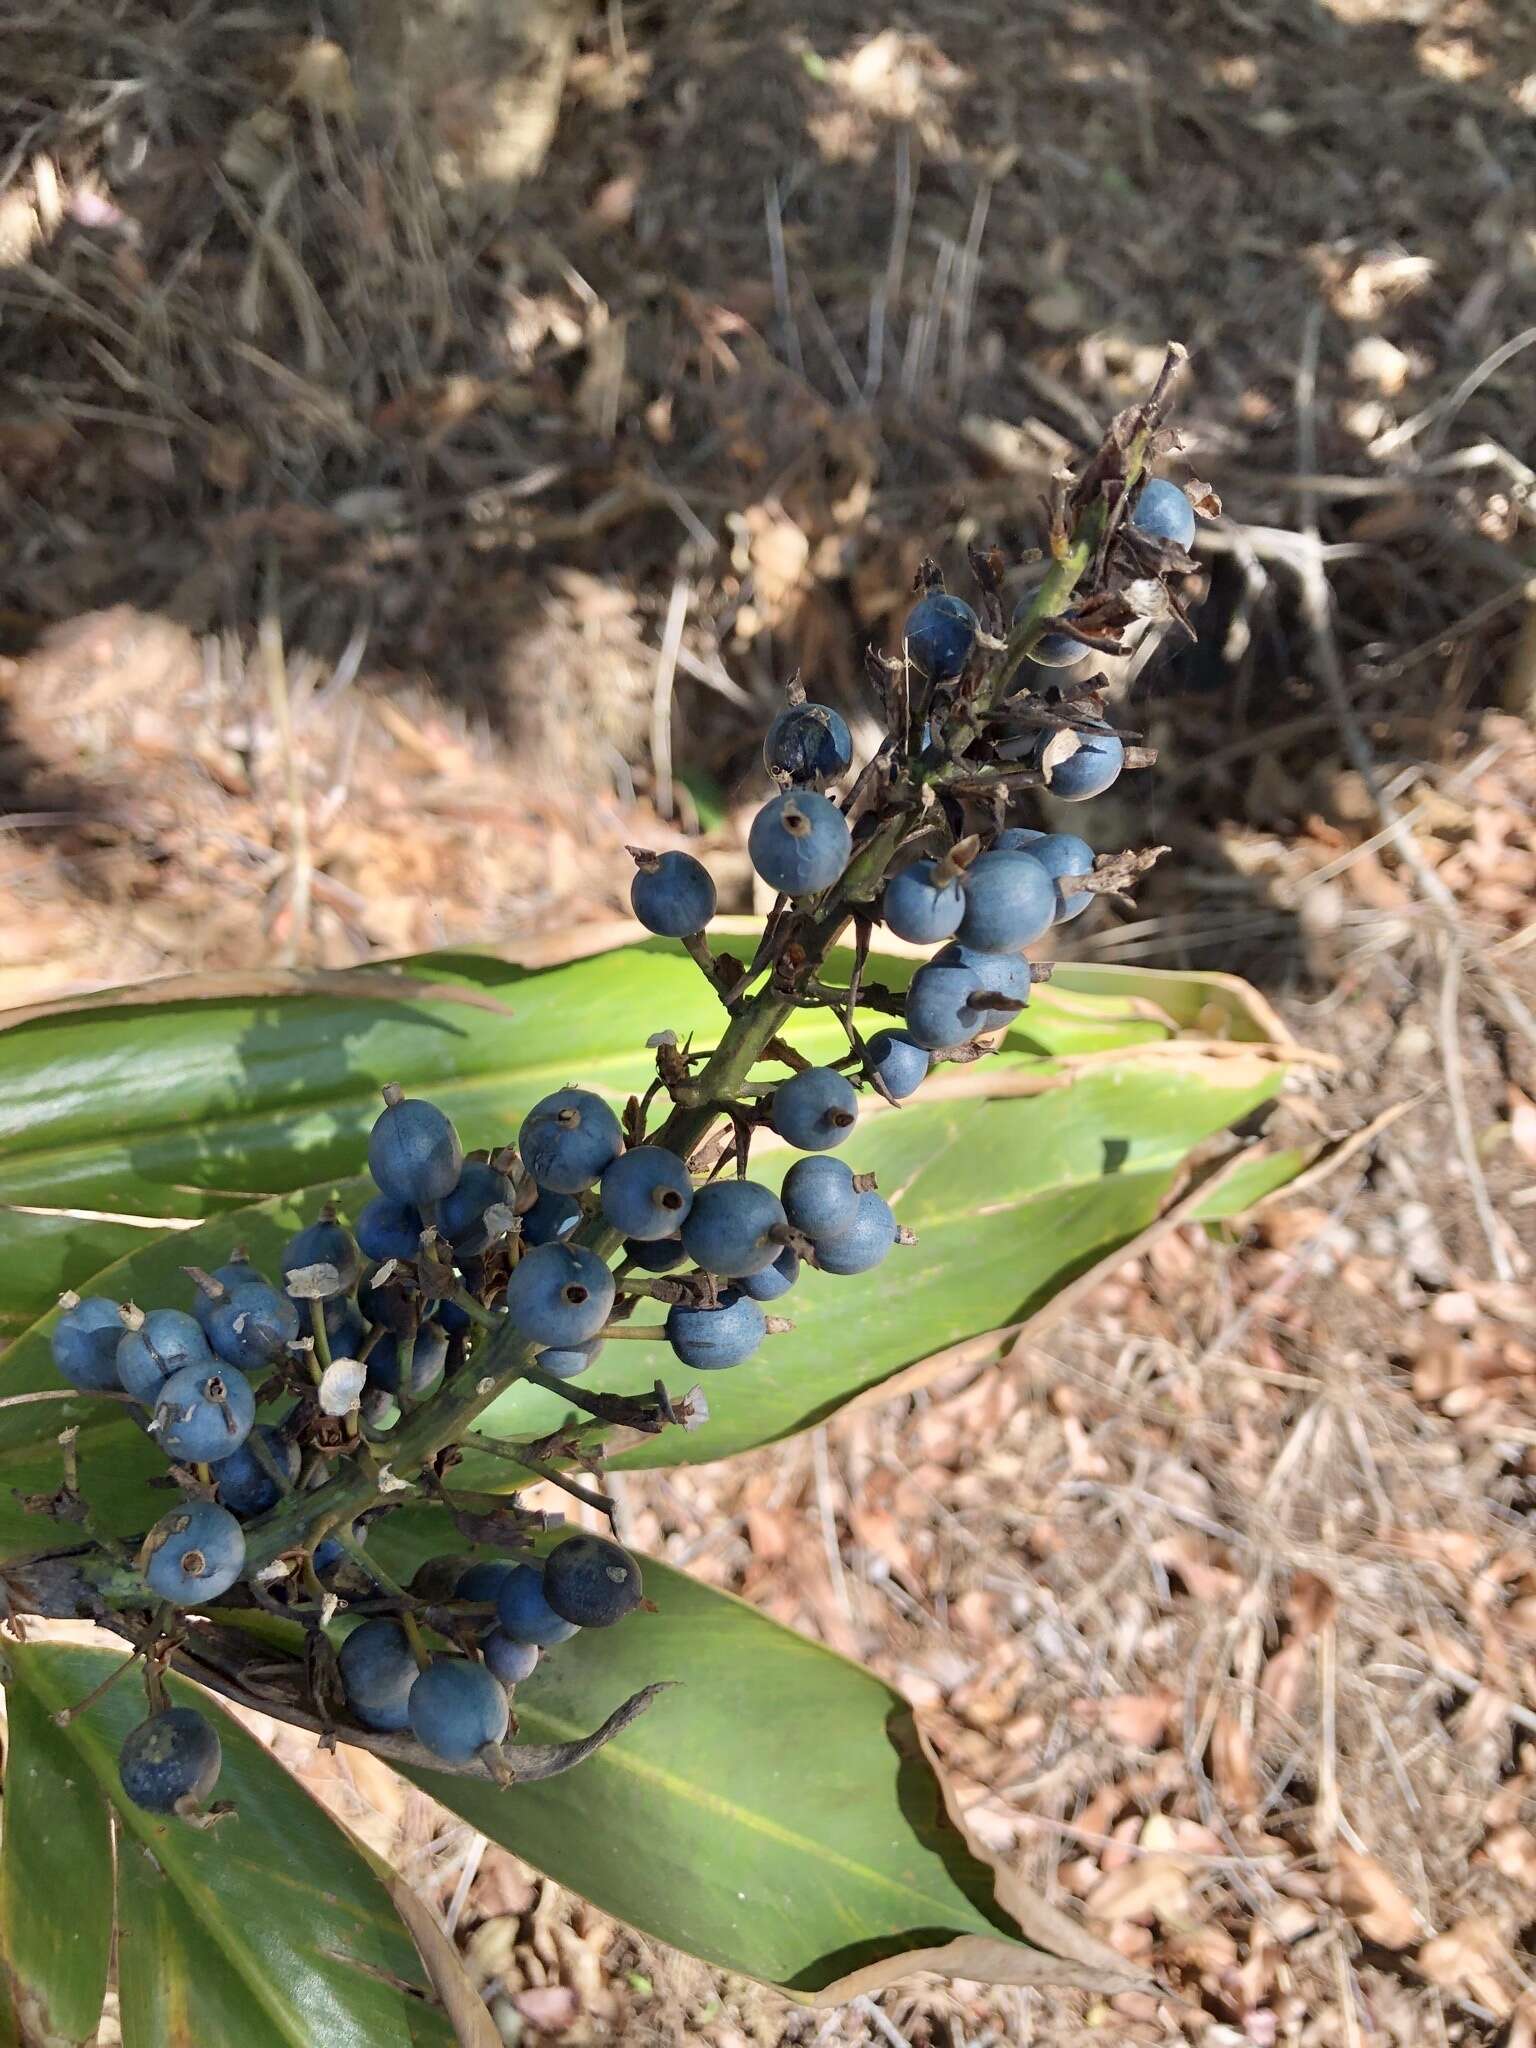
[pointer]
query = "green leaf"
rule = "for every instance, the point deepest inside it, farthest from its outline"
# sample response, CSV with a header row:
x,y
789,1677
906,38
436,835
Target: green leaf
x,y
774,1814
268,1929
56,1847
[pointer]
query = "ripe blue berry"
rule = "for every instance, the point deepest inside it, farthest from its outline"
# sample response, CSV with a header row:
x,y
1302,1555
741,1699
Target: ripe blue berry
x,y
898,1062
774,1281
568,1139
646,1193
325,1243
238,1273
523,1611
483,1581
461,1212
253,1326
429,1353
245,1486
591,1582
390,1230
566,1361
559,1294
1010,901
1163,511
377,1673
808,743
993,974
203,1413
815,1110
1063,855
414,1152
171,1762
345,1328
920,910
819,1197
672,894
164,1342
729,1228
940,632
197,1553
456,1708
552,1216
1051,650
799,843
329,1552
508,1662
867,1241
942,1006
84,1344
658,1257
1090,771
710,1339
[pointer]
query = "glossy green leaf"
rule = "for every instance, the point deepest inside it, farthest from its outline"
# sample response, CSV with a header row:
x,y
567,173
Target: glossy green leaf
x,y
773,1814
56,1847
268,1929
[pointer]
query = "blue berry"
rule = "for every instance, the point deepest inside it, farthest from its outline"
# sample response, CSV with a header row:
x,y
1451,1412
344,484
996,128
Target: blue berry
x,y
646,1193
808,743
325,1243
508,1662
377,1673
461,1212
245,1486
198,1553
1063,855
1017,839
672,894
414,1152
429,1353
658,1257
253,1326
941,1002
918,909
568,1139
591,1582
729,1228
523,1611
819,1197
390,1230
1163,511
238,1273
346,1330
566,1361
1004,974
456,1708
710,1339
866,1242
1090,771
203,1413
329,1552
898,1062
552,1216
483,1581
85,1341
799,843
814,1110
774,1281
1010,901
559,1294
164,1342
1051,650
171,1762
940,632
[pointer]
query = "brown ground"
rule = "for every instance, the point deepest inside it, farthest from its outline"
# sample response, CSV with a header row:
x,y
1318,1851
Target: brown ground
x,y
1221,1597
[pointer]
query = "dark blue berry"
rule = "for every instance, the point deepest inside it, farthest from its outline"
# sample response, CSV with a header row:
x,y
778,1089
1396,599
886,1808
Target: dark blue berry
x,y
808,743
646,1193
390,1230
329,1552
898,1062
171,1762
730,1228
559,1294
377,1673
456,1708
814,1110
414,1152
238,1273
591,1582
658,1257
203,1413
711,1339
867,1241
1162,510
1010,901
461,1214
920,910
672,894
245,1486
941,1008
799,843
346,1329
429,1353
325,1243
939,633
84,1344
1097,763
774,1281
253,1326
819,1197
568,1139
483,1581
1063,855
566,1361
523,1611
167,1340
552,1216
195,1553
